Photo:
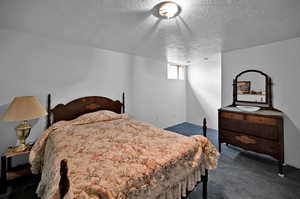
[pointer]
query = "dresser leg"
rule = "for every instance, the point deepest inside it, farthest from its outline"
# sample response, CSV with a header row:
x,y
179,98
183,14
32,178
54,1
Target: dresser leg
x,y
280,169
220,150
3,187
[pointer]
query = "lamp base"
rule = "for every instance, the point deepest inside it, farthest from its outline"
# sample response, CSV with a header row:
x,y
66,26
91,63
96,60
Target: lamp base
x,y
22,132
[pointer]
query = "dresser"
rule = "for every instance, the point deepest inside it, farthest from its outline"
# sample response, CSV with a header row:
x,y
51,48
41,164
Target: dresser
x,y
260,131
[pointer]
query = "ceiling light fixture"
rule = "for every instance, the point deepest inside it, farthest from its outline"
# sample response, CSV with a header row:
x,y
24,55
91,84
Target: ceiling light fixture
x,y
166,10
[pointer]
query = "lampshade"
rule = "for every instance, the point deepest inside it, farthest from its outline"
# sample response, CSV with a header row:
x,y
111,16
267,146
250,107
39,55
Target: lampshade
x,y
24,108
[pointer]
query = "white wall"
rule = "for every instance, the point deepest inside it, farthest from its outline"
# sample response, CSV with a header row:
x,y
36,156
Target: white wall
x,y
281,61
204,91
156,99
33,65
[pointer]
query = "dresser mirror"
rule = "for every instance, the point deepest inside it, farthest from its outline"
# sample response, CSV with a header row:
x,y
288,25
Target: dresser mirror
x,y
252,87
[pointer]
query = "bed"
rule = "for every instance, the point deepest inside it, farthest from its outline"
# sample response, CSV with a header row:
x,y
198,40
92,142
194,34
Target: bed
x,y
91,149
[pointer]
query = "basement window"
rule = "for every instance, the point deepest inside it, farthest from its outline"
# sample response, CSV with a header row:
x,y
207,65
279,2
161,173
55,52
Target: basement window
x,y
175,72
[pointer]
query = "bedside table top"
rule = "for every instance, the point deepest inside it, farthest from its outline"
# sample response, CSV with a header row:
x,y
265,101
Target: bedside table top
x,y
14,153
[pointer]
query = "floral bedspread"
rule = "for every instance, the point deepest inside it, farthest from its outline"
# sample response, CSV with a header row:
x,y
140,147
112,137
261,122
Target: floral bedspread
x,y
113,156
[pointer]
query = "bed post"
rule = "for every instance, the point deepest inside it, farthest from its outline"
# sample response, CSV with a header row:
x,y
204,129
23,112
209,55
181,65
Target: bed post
x,y
49,110
204,177
204,127
64,183
123,102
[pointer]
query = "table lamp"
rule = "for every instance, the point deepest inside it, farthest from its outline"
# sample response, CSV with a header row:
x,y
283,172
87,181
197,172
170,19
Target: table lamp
x,y
23,109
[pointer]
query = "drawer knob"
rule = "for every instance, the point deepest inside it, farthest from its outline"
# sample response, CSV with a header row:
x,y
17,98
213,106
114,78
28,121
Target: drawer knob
x,y
245,139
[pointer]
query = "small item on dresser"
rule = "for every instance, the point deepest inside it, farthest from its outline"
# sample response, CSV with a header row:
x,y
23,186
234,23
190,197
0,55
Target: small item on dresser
x,y
248,108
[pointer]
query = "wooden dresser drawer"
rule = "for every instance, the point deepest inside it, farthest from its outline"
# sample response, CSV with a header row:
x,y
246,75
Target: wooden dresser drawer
x,y
250,143
254,129
262,120
234,116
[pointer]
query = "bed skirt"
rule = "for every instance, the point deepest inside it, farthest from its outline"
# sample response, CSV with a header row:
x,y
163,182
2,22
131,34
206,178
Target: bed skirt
x,y
180,189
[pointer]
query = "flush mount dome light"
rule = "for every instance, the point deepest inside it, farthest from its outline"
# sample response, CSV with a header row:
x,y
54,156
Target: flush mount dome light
x,y
166,10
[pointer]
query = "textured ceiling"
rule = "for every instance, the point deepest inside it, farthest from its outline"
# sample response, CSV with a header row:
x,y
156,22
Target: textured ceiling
x,y
203,28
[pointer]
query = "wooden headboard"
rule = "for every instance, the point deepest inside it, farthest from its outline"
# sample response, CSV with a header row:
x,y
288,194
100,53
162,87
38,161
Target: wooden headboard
x,y
82,106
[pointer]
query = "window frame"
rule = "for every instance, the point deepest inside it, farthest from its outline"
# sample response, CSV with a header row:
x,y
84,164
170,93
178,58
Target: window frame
x,y
178,67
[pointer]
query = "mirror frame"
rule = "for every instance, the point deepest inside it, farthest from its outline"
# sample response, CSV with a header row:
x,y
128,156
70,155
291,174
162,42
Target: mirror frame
x,y
267,104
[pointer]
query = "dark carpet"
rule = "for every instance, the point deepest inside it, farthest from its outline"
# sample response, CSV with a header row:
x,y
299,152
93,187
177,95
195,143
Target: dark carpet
x,y
240,175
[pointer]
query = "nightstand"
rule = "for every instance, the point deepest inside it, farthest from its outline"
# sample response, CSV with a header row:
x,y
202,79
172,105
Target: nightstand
x,y
9,173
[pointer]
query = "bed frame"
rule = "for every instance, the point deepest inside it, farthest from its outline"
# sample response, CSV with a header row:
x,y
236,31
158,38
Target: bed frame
x,y
82,106
90,104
